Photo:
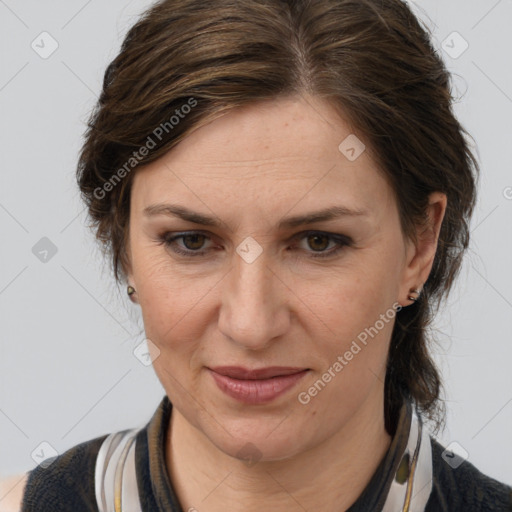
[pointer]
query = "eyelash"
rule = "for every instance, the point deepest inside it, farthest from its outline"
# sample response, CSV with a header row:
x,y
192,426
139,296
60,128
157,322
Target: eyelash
x,y
342,241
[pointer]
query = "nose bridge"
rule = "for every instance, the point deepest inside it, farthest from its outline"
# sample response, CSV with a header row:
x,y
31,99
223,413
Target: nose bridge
x,y
252,311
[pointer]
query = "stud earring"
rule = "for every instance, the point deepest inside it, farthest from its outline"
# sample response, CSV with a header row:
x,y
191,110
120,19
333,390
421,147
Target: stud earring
x,y
416,292
130,290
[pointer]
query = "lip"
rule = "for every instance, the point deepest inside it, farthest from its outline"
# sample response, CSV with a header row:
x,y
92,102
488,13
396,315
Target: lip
x,y
239,372
256,386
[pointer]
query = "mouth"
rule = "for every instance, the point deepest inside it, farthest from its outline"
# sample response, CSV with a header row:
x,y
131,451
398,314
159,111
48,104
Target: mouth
x,y
256,386
241,373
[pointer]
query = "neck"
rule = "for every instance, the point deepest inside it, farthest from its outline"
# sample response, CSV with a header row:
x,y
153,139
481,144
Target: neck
x,y
329,477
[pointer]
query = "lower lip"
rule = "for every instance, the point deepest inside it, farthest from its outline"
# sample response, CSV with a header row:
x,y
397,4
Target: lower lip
x,y
256,391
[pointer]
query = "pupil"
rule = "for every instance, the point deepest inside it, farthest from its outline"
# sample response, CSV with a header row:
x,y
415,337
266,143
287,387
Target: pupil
x,y
316,237
188,237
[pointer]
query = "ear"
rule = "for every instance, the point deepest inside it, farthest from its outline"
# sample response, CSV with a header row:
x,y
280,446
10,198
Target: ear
x,y
127,270
420,254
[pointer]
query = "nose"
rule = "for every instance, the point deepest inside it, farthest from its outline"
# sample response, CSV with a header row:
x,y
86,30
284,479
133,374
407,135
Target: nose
x,y
254,310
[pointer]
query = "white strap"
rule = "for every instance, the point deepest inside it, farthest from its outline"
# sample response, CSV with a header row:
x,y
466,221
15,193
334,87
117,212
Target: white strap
x,y
115,475
413,494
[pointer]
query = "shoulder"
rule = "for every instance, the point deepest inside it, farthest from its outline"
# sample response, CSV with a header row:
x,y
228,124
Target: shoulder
x,y
62,483
11,492
460,486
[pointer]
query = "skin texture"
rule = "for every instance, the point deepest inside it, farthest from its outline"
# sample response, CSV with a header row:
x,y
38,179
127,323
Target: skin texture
x,y
11,492
251,168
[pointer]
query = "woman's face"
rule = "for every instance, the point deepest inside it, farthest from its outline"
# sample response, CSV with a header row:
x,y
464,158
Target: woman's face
x,y
257,291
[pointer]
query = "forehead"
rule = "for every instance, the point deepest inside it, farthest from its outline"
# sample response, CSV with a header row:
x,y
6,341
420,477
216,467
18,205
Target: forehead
x,y
284,149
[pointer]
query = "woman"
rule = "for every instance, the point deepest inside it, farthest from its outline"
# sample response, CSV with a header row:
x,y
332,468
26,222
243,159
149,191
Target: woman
x,y
231,139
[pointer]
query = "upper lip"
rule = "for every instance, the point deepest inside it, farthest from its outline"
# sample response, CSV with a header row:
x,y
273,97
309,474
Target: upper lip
x,y
238,372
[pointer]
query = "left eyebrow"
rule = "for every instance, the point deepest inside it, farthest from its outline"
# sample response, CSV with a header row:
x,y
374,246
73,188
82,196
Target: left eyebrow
x,y
331,213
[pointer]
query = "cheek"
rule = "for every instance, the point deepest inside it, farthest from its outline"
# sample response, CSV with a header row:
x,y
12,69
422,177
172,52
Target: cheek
x,y
164,295
171,314
353,351
354,316
176,309
173,322
348,299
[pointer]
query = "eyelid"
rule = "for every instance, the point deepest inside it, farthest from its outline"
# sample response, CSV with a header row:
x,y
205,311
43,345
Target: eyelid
x,y
342,241
300,234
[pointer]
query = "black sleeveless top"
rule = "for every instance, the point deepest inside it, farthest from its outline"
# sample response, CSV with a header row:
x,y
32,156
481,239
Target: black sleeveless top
x,y
67,484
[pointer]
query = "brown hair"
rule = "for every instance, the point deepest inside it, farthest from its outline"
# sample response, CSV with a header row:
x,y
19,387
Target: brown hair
x,y
374,63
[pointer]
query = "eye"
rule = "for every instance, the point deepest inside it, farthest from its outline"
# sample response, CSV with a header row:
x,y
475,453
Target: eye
x,y
193,242
319,241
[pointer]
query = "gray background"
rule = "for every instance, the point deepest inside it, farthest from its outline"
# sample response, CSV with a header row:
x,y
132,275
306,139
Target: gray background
x,y
67,369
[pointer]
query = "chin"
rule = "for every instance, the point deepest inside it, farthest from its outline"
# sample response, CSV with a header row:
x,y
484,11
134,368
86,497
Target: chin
x,y
257,443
